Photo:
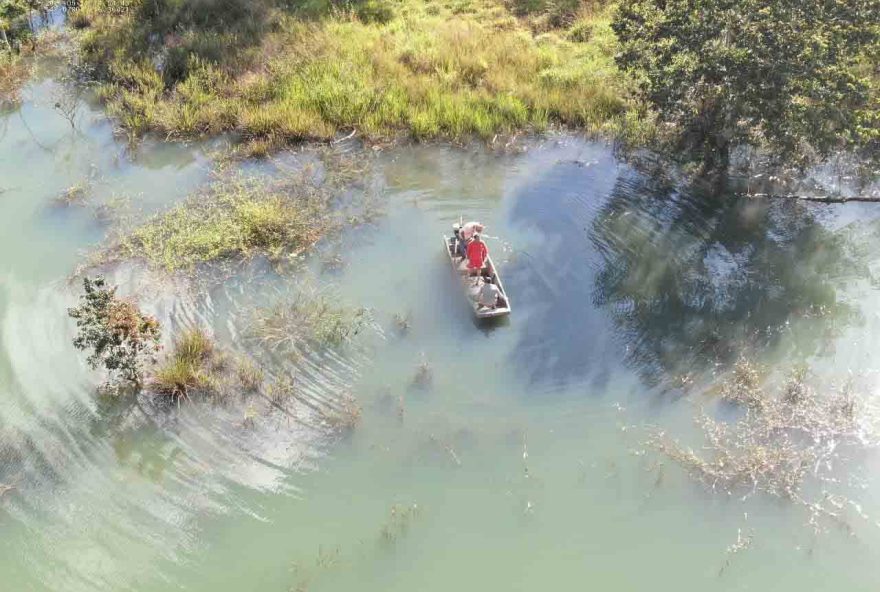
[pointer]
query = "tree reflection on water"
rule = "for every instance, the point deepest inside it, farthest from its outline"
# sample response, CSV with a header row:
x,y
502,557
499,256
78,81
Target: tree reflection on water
x,y
692,279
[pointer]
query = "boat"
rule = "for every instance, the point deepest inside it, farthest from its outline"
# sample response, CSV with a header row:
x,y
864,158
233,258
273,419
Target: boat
x,y
472,285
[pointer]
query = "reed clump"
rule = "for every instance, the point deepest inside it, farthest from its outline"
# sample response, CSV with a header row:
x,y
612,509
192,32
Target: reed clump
x,y
197,367
383,69
786,443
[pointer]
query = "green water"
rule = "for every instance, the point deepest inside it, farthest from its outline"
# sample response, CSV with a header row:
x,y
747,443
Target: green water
x,y
522,465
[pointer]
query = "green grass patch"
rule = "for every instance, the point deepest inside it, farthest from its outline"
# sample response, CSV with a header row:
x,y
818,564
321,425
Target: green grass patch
x,y
233,220
382,67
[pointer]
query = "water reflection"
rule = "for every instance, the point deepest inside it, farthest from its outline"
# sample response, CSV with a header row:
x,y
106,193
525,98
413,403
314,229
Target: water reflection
x,y
551,277
692,279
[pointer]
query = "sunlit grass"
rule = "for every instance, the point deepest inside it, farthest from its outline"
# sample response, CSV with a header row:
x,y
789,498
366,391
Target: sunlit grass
x,y
233,219
423,69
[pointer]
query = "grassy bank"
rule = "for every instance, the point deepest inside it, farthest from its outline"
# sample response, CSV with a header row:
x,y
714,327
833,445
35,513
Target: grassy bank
x,y
429,68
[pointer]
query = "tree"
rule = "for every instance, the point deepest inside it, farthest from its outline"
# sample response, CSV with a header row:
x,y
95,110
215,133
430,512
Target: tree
x,y
120,336
796,77
10,12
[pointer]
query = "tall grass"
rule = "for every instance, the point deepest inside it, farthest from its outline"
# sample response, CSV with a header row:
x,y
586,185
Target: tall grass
x,y
196,366
185,370
423,69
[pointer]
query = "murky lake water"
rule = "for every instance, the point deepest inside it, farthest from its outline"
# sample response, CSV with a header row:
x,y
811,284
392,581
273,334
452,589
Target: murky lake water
x,y
521,467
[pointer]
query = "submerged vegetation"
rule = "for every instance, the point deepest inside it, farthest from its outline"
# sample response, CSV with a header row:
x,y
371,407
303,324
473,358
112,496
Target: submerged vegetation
x,y
275,72
785,444
309,317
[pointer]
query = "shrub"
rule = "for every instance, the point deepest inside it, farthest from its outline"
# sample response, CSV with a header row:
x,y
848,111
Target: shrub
x,y
118,334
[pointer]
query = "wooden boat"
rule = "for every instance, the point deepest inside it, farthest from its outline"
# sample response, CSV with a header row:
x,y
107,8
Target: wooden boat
x,y
472,285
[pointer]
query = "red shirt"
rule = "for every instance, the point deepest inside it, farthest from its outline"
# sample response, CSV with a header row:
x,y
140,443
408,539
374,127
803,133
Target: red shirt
x,y
476,254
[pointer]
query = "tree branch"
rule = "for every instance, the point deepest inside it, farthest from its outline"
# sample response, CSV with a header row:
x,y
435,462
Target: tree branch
x,y
816,198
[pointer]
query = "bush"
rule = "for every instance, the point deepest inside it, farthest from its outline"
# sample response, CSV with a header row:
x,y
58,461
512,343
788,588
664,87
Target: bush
x,y
120,336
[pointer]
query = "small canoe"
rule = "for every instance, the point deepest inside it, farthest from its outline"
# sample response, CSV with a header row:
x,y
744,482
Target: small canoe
x,y
474,285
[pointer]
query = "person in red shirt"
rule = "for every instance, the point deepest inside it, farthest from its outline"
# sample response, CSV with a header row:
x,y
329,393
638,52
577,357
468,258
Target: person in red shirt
x,y
476,254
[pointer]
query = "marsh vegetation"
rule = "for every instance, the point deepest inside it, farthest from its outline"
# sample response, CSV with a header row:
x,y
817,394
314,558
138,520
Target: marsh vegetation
x,y
786,442
306,317
277,73
231,221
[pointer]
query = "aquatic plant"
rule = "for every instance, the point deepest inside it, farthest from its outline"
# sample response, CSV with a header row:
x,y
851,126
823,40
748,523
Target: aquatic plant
x,y
344,415
74,195
744,387
402,323
400,518
307,317
197,366
233,219
781,440
120,337
424,375
742,543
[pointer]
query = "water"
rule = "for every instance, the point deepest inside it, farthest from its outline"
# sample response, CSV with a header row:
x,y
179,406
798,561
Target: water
x,y
521,466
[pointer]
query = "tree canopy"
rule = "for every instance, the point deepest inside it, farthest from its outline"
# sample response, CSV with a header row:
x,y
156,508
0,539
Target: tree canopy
x,y
796,77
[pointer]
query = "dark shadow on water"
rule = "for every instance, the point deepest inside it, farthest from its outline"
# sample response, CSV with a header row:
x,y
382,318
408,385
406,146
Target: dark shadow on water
x,y
488,326
563,339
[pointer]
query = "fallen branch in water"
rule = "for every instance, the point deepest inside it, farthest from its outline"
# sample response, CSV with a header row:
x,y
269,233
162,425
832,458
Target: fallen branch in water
x,y
821,199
